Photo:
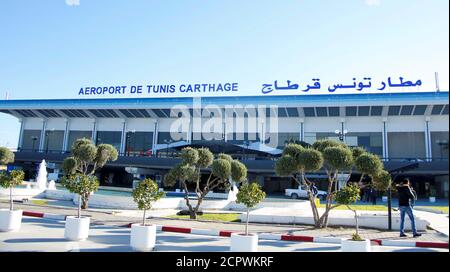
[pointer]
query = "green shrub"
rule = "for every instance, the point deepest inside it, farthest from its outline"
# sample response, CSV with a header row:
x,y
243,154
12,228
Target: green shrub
x,y
145,193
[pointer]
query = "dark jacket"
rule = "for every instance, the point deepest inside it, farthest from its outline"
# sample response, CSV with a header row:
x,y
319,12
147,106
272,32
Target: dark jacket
x,y
404,196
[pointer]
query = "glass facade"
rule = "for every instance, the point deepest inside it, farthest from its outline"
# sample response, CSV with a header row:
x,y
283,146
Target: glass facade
x,y
240,138
53,140
31,139
109,137
406,145
138,143
311,137
75,135
371,141
171,137
284,138
218,136
439,144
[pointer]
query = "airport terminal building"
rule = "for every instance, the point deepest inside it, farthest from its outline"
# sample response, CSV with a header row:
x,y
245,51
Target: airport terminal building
x,y
402,128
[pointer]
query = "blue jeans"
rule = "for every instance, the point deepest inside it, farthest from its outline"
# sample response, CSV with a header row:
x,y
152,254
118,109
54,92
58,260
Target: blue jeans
x,y
403,211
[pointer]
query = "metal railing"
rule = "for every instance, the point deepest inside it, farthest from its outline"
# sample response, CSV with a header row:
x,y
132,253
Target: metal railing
x,y
175,154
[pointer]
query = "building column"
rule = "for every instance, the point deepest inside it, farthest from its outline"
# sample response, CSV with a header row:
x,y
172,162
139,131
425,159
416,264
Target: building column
x,y
123,138
66,136
94,131
155,138
262,137
302,130
428,147
344,137
224,125
20,143
189,136
385,141
42,138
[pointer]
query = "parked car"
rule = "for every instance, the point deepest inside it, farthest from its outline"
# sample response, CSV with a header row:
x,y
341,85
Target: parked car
x,y
301,192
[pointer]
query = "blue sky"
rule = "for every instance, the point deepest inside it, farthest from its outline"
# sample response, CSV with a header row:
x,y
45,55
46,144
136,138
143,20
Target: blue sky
x,y
51,48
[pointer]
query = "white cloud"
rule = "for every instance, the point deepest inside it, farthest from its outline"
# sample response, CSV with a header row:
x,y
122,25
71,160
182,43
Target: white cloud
x,y
373,2
73,2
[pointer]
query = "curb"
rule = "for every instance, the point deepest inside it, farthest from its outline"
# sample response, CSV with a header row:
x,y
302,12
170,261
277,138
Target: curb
x,y
44,215
266,236
301,238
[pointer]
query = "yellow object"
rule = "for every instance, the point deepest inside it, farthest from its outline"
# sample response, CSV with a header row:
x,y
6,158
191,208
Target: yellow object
x,y
39,202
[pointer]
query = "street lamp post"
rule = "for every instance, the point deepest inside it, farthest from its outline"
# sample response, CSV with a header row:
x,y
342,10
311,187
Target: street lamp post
x,y
341,134
34,139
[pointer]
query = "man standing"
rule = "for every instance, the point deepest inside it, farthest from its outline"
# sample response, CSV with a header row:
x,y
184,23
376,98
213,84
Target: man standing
x,y
405,196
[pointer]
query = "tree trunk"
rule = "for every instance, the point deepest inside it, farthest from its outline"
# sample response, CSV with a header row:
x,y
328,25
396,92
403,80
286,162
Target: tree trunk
x,y
192,213
324,217
85,200
79,206
356,220
246,222
11,205
143,219
197,207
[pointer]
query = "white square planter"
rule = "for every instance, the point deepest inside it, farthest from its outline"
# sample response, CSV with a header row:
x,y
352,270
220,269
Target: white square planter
x,y
10,220
384,199
355,246
240,242
432,199
77,229
143,238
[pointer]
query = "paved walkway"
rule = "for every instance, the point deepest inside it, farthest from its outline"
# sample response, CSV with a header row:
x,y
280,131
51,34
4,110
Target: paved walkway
x,y
438,222
35,236
107,217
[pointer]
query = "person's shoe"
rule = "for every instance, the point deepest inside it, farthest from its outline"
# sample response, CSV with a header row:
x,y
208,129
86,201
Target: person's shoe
x,y
403,235
417,235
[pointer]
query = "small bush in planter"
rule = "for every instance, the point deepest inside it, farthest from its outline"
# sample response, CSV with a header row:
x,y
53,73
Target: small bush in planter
x,y
10,180
80,184
346,196
250,194
145,193
10,220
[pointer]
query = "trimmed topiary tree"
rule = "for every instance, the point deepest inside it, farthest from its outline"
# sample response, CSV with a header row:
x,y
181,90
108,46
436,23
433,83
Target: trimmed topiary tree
x,y
250,194
6,156
188,171
80,184
346,196
368,164
145,193
11,179
382,181
85,160
331,156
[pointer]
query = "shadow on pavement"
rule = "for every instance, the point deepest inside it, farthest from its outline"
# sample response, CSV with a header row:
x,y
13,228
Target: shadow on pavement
x,y
316,249
108,249
110,239
35,240
275,243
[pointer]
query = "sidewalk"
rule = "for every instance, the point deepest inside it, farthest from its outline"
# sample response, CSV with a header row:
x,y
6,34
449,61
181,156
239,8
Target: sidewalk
x,y
34,236
108,218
